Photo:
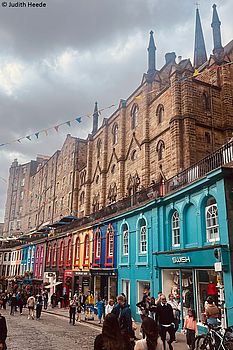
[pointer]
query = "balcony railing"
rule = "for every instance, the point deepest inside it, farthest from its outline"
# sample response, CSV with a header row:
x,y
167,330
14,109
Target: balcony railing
x,y
219,158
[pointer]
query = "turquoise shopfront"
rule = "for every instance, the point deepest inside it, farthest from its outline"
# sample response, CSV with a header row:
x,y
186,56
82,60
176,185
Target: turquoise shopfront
x,y
194,274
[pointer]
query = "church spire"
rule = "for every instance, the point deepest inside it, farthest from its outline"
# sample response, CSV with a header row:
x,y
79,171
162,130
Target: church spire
x,y
199,47
218,49
95,119
151,54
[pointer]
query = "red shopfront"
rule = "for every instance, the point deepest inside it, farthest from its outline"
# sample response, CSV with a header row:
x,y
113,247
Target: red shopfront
x,y
67,285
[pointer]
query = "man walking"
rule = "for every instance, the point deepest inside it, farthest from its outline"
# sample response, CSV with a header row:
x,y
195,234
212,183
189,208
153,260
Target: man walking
x,y
166,320
46,298
72,310
31,305
39,305
3,332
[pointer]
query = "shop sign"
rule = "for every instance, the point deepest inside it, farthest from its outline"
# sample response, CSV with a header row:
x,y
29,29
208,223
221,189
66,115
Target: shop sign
x,y
68,274
218,267
181,259
81,273
86,282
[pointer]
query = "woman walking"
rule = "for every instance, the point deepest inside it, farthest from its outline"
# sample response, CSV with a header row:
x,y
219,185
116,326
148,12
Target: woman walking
x,y
190,327
99,306
151,341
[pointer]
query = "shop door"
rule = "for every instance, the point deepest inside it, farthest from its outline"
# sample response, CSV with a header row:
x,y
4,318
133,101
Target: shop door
x,y
104,287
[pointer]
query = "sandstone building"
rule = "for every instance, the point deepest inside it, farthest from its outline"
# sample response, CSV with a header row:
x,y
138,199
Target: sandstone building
x,y
177,115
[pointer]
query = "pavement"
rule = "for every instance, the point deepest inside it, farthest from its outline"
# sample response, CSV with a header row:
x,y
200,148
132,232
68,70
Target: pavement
x,y
64,312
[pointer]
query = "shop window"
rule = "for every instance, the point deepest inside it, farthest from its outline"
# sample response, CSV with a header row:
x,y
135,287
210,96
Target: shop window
x,y
142,237
97,244
115,133
175,229
160,113
54,254
86,247
126,289
134,116
77,249
212,226
125,239
61,253
110,241
68,255
48,255
160,149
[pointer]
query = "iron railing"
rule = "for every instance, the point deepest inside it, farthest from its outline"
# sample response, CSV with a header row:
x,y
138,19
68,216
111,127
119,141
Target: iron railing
x,y
219,158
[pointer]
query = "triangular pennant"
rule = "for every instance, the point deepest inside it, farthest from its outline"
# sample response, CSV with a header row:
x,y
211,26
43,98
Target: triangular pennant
x,y
56,128
46,132
29,138
68,123
78,119
19,140
37,134
138,97
196,73
3,144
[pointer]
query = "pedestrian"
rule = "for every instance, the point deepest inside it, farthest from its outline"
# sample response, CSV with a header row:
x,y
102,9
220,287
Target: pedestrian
x,y
20,303
166,321
176,311
3,333
39,305
109,306
13,303
31,305
111,337
212,312
151,341
99,305
72,310
190,327
123,314
65,298
79,312
46,298
158,300
152,309
53,300
144,306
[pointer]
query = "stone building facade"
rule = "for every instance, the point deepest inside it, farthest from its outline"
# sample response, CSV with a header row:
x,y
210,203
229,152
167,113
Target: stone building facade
x,y
178,115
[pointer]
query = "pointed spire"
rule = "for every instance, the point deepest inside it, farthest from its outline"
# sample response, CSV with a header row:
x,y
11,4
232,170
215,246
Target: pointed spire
x,y
218,49
151,54
95,119
199,47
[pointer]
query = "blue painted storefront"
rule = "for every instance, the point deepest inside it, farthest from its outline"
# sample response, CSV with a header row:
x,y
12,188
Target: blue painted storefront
x,y
192,261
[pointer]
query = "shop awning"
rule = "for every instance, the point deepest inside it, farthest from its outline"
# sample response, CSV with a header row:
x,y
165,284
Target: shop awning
x,y
53,285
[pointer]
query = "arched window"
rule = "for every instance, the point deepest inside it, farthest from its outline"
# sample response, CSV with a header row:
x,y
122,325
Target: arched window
x,y
160,149
86,247
48,255
99,145
160,113
77,249
134,155
115,133
61,253
82,196
110,241
206,101
142,236
212,226
134,116
54,254
68,255
125,240
175,229
98,244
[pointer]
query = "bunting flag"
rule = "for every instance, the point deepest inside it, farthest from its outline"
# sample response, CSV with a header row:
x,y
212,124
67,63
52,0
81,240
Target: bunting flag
x,y
46,132
29,138
37,134
196,73
68,123
78,119
19,140
56,128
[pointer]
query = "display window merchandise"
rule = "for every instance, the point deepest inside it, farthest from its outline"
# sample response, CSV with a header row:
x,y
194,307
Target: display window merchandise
x,y
191,287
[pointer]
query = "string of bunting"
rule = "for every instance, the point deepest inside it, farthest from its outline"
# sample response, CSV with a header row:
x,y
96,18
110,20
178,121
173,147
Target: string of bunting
x,y
195,74
56,128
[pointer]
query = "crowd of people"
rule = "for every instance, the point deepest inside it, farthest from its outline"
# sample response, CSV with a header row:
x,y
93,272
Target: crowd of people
x,y
160,318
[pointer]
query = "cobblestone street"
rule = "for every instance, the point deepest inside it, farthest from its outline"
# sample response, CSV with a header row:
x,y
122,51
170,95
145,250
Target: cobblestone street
x,y
51,332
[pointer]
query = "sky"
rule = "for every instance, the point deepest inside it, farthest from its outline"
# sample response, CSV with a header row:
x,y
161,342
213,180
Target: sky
x,y
57,60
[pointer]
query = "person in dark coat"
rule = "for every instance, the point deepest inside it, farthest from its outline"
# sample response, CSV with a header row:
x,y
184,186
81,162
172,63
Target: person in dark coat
x,y
111,337
3,332
13,302
165,317
72,310
123,314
